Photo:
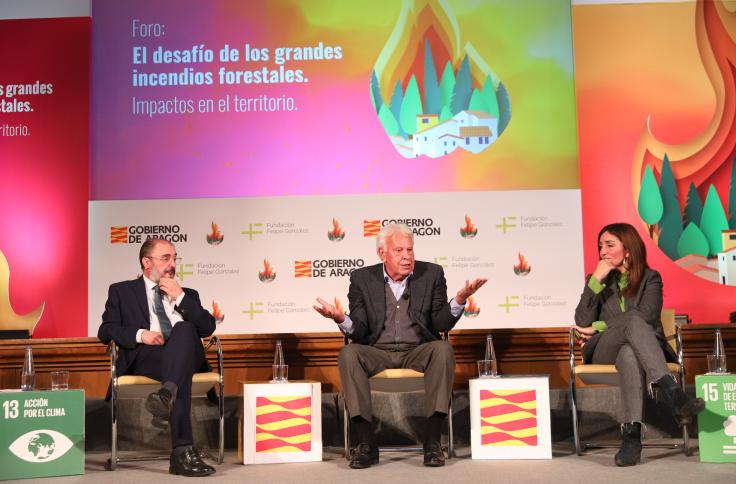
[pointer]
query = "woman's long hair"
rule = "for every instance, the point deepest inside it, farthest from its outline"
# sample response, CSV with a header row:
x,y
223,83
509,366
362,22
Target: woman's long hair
x,y
636,261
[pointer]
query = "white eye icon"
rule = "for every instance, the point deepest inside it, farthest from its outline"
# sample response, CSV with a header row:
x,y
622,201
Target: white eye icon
x,y
41,446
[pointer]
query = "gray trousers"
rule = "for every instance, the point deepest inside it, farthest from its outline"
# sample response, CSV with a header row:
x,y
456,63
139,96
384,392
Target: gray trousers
x,y
632,346
359,362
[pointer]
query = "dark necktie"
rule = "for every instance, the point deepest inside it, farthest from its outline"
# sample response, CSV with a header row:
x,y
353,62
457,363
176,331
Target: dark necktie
x,y
163,319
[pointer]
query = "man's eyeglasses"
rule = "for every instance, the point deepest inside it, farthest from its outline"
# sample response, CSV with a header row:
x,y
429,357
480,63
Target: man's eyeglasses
x,y
165,258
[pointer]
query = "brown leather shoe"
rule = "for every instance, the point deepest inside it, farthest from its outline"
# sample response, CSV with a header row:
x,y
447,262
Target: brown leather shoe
x,y
189,463
433,455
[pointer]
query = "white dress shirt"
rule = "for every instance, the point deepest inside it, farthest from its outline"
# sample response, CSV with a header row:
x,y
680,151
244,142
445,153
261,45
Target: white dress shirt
x,y
169,306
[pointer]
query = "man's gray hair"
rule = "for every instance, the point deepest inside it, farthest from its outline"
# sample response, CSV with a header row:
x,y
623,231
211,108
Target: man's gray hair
x,y
389,231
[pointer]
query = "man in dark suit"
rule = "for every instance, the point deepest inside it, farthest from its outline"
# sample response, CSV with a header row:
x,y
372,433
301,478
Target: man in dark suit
x,y
397,311
158,325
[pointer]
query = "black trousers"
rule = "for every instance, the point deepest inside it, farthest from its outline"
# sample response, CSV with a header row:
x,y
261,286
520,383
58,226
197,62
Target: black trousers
x,y
176,361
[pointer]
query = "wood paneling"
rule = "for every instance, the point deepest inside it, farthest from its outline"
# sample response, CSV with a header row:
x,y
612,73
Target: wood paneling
x,y
314,356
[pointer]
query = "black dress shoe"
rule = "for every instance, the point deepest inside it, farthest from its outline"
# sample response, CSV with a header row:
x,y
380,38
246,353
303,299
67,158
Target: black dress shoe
x,y
364,456
189,463
160,403
433,455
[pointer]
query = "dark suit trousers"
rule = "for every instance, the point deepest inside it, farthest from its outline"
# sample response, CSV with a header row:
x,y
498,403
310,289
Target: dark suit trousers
x,y
359,362
176,361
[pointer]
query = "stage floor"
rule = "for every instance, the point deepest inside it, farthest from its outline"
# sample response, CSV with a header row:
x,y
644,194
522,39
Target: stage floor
x,y
659,465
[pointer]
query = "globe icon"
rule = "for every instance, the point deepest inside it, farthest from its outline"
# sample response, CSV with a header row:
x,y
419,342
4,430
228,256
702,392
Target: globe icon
x,y
41,445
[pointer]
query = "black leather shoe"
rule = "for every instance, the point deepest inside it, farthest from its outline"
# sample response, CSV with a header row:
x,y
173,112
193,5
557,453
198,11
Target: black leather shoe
x,y
160,403
433,456
364,456
189,463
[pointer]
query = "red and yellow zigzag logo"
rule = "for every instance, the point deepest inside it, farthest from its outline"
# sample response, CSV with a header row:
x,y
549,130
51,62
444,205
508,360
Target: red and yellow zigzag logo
x,y
371,227
118,235
283,424
302,268
508,417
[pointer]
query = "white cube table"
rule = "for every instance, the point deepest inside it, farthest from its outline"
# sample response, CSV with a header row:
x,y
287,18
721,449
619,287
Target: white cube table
x,y
509,417
282,422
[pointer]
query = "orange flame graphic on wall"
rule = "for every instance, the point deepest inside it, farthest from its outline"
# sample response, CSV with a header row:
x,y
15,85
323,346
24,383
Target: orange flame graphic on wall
x,y
508,417
337,233
217,313
469,230
216,236
283,424
523,268
268,274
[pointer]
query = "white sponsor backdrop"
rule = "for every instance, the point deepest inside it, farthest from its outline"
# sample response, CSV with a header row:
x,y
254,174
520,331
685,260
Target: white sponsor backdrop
x,y
543,225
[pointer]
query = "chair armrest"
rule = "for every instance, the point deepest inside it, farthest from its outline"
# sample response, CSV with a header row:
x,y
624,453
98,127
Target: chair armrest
x,y
571,344
112,351
680,349
215,341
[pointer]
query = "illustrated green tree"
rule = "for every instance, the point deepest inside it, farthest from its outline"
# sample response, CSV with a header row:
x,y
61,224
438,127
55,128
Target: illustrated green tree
x,y
713,221
463,88
432,94
447,84
477,103
693,206
732,198
411,107
376,92
670,225
692,241
445,114
489,96
388,121
650,200
397,98
504,108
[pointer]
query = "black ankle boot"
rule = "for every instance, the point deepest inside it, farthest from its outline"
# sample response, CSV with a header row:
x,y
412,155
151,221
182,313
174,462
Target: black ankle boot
x,y
630,452
684,407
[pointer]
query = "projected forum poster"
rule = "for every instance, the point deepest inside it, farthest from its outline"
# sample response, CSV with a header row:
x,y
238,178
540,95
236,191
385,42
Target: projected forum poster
x,y
44,167
294,113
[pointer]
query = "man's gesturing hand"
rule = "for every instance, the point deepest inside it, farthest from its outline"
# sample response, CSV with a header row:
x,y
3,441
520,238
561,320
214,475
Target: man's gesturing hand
x,y
469,290
335,313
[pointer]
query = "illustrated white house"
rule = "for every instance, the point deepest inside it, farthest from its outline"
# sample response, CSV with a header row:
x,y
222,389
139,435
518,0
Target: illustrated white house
x,y
727,259
472,131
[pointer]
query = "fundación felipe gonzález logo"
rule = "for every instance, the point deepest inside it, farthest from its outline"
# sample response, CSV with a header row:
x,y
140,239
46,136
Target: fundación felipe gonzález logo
x,y
41,446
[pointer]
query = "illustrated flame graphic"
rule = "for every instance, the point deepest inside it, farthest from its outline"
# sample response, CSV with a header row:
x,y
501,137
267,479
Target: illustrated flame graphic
x,y
508,417
706,159
469,230
217,313
336,234
471,308
428,79
267,275
283,424
9,319
216,236
339,306
522,268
